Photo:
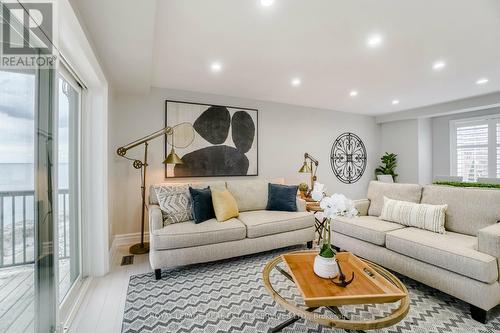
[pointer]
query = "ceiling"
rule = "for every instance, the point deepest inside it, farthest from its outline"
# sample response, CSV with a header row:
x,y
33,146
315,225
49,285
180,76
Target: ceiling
x,y
172,44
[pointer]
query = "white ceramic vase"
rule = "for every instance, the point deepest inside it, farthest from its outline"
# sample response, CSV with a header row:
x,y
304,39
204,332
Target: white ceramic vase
x,y
325,268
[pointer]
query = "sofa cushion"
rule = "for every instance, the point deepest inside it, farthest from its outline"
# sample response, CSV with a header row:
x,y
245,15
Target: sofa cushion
x,y
201,203
225,207
469,209
282,197
265,222
367,228
377,191
249,194
410,214
214,185
174,202
452,251
188,234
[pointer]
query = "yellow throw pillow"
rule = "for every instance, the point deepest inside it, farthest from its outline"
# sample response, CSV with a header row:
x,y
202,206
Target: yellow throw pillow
x,y
225,205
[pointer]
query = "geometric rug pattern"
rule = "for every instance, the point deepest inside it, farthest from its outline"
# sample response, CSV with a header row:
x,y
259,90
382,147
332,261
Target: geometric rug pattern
x,y
229,296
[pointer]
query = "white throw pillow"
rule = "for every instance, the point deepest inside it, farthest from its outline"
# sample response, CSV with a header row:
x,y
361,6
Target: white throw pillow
x,y
422,216
175,203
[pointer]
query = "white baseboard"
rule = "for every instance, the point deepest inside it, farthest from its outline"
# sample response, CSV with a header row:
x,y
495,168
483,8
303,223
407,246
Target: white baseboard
x,y
125,240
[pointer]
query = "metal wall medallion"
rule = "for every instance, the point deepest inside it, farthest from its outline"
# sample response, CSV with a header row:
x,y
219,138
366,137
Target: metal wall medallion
x,y
348,158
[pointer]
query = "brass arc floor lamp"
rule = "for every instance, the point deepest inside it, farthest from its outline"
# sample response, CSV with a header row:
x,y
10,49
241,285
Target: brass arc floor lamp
x,y
172,158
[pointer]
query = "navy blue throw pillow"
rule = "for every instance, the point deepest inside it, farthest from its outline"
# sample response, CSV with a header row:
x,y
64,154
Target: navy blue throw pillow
x,y
202,206
282,197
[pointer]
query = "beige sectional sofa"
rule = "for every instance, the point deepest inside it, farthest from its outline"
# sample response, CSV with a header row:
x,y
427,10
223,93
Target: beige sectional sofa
x,y
255,230
463,262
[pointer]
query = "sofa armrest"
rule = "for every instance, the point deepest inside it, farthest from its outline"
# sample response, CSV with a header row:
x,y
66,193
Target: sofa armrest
x,y
488,240
362,206
301,205
155,218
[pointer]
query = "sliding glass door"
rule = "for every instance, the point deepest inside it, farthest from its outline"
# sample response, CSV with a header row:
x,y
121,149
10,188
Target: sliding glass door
x,y
40,255
18,232
28,123
45,205
68,219
27,271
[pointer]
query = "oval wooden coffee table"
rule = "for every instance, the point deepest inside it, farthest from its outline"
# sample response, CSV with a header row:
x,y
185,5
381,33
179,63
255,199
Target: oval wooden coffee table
x,y
372,284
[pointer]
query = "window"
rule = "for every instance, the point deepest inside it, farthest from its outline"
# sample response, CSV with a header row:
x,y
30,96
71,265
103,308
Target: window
x,y
498,148
475,148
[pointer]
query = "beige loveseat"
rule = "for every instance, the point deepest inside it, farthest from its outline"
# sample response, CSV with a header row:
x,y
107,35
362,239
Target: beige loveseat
x,y
463,262
255,230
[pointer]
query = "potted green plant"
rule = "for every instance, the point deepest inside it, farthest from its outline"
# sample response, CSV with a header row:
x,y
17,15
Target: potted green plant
x,y
303,188
388,167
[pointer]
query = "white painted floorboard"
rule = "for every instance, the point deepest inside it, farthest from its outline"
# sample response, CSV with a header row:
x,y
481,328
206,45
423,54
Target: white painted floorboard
x,y
102,308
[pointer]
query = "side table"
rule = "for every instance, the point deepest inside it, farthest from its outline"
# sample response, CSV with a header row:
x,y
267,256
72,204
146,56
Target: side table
x,y
319,224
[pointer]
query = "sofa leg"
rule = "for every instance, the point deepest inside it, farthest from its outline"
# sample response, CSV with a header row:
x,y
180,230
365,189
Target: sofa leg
x,y
310,244
478,314
158,273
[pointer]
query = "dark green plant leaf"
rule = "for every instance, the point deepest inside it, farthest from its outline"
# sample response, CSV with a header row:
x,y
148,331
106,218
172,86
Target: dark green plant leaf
x,y
465,184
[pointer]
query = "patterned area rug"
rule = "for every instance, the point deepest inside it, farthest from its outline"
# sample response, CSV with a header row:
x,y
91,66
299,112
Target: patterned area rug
x,y
229,296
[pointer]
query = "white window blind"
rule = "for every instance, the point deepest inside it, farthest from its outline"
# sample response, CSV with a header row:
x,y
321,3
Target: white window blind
x,y
498,148
472,151
475,148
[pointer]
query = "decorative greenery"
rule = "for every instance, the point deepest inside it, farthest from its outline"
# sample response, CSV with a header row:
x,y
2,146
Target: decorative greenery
x,y
303,187
464,184
389,161
326,250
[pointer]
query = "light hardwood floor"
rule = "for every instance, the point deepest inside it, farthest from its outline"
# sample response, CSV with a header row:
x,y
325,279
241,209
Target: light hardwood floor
x,y
102,307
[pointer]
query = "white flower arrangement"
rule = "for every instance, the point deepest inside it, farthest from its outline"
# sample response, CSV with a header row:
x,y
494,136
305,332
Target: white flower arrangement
x,y
333,206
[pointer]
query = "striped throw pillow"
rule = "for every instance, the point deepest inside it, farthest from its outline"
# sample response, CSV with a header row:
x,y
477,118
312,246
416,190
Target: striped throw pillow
x,y
422,216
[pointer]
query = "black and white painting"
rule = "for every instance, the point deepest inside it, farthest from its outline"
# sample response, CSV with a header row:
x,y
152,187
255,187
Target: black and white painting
x,y
225,141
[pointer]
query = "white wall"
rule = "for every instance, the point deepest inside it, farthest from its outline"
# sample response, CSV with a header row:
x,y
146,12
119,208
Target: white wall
x,y
285,133
441,139
425,151
401,138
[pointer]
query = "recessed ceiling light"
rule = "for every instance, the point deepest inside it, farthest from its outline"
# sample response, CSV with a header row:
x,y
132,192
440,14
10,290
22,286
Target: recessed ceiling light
x,y
266,3
374,40
216,67
395,101
353,93
482,80
296,82
438,65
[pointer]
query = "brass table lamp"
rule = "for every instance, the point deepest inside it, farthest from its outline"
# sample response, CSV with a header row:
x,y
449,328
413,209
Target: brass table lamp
x,y
310,166
172,158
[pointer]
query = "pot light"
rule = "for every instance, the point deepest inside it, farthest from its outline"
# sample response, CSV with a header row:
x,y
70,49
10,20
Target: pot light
x,y
374,40
438,65
395,101
353,93
482,81
266,3
296,82
216,67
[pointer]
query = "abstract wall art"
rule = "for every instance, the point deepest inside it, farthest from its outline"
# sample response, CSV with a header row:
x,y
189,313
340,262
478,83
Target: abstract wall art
x,y
225,141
